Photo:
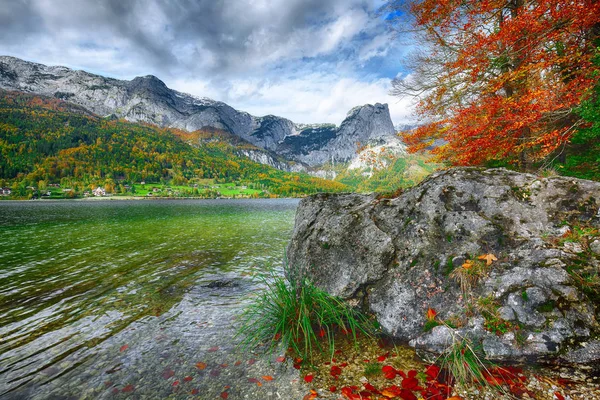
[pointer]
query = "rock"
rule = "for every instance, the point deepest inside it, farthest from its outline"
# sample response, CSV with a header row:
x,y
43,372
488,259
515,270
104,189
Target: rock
x,y
221,284
148,99
573,247
595,246
394,257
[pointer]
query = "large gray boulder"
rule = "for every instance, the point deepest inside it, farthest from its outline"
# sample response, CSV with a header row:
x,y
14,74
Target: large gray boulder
x,y
396,258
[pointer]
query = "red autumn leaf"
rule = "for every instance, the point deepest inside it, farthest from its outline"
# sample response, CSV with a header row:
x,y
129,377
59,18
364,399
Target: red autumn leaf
x,y
343,365
432,372
277,336
224,395
371,388
365,394
389,372
518,390
251,361
321,332
187,379
335,371
412,373
238,362
559,396
407,395
308,378
128,389
332,389
213,349
410,383
431,314
194,391
200,365
267,377
391,392
350,392
124,347
280,359
383,357
176,383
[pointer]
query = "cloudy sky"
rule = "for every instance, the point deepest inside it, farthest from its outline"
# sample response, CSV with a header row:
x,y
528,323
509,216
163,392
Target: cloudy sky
x,y
307,60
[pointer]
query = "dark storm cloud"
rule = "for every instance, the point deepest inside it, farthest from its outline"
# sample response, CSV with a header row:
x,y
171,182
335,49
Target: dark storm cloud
x,y
205,35
309,60
18,18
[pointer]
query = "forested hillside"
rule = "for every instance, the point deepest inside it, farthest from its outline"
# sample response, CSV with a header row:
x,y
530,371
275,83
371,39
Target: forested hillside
x,y
47,141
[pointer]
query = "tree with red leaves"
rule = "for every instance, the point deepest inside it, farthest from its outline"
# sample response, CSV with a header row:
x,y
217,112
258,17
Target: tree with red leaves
x,y
499,79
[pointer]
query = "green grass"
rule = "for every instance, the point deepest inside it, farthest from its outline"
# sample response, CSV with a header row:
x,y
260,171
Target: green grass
x,y
294,312
464,362
372,369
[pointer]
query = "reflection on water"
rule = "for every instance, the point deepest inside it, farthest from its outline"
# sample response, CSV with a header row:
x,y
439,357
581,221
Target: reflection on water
x,y
115,298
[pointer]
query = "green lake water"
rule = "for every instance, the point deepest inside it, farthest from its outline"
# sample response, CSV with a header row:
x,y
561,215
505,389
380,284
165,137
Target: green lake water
x,y
124,298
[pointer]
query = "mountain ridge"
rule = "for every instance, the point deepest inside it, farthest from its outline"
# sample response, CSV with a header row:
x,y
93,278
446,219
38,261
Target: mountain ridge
x,y
148,99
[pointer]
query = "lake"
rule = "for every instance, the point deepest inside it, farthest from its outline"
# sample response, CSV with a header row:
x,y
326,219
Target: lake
x,y
133,298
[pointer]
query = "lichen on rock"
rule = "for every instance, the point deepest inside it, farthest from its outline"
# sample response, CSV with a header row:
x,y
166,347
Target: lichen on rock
x,y
399,257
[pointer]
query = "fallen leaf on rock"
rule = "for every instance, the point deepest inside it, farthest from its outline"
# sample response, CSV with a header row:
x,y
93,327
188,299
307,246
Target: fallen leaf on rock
x,y
251,361
200,365
124,347
213,349
194,391
489,258
431,314
224,395
308,378
280,359
175,383
128,389
187,378
267,377
237,363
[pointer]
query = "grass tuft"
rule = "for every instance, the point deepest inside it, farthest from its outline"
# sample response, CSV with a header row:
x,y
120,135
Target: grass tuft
x,y
293,311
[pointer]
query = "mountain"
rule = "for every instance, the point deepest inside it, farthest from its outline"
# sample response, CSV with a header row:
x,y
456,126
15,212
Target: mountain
x,y
148,99
44,140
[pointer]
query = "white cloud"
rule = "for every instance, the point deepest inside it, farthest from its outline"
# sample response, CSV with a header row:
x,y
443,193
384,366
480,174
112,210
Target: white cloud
x,y
314,97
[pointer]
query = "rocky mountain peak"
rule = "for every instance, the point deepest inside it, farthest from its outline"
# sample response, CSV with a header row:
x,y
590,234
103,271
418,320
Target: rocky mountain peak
x,y
148,99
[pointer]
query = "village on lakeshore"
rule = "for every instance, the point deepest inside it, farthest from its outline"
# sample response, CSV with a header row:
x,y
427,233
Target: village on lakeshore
x,y
207,189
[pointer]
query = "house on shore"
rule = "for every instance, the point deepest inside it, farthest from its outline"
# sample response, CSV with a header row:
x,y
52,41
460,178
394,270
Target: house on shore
x,y
99,192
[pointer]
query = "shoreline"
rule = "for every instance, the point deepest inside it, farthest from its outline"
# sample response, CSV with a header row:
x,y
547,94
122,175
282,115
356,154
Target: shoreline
x,y
141,198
